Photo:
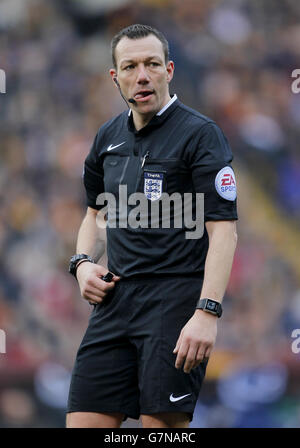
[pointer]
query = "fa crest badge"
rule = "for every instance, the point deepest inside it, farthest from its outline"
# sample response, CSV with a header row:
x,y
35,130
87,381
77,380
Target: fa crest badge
x,y
153,185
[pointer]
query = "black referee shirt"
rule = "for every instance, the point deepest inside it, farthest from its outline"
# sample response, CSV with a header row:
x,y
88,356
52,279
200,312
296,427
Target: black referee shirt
x,y
183,151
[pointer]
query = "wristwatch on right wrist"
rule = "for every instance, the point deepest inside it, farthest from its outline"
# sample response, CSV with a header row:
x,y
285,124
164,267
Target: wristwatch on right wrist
x,y
74,262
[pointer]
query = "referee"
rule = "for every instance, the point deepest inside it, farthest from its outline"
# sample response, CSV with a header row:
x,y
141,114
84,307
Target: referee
x,y
154,319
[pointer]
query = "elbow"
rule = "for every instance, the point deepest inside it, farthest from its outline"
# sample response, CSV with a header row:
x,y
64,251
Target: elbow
x,y
91,212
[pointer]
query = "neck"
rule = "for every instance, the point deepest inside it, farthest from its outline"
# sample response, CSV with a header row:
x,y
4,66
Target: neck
x,y
141,120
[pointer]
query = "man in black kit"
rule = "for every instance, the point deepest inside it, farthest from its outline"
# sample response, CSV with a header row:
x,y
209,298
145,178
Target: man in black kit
x,y
154,321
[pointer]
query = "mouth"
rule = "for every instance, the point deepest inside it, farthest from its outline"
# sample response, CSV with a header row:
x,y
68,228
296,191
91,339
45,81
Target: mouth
x,y
143,95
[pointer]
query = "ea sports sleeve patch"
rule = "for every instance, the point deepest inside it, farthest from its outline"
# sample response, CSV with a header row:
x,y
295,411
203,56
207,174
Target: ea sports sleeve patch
x,y
225,183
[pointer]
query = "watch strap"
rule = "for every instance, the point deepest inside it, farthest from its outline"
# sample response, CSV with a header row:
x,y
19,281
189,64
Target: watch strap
x,y
210,306
74,262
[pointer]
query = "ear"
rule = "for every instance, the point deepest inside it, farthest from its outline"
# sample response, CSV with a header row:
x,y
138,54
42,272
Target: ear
x,y
170,71
113,75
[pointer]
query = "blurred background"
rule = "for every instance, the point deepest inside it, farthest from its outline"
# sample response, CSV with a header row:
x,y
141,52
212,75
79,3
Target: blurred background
x,y
233,62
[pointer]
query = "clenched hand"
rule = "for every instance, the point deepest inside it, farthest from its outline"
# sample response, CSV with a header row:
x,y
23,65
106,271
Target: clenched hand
x,y
92,288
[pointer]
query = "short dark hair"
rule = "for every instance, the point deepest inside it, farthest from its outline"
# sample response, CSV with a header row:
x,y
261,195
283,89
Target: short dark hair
x,y
138,31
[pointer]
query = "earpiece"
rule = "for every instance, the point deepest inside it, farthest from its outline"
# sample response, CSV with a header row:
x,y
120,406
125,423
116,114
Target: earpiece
x,y
130,100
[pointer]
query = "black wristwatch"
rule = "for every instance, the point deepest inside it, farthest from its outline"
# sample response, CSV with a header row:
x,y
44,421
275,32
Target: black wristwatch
x,y
74,262
210,306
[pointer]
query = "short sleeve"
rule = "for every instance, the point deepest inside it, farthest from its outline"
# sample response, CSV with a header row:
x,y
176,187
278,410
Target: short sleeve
x,y
213,175
93,176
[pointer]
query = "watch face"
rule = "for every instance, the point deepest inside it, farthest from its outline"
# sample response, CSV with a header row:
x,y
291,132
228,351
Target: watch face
x,y
211,306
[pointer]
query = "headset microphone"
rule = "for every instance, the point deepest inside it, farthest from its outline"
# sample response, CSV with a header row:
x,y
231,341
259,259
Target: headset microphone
x,y
130,100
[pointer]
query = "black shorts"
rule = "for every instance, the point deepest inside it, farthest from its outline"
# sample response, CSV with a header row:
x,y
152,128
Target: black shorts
x,y
125,362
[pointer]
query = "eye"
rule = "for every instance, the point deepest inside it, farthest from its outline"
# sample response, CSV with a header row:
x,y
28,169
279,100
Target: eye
x,y
129,67
154,64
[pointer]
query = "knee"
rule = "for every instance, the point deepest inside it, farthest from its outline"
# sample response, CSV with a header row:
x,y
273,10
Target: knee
x,y
68,420
93,420
166,420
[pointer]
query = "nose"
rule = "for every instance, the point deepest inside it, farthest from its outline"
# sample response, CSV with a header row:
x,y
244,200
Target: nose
x,y
142,77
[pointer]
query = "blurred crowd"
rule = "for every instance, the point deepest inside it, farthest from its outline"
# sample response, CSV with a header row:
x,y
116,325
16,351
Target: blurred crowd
x,y
233,62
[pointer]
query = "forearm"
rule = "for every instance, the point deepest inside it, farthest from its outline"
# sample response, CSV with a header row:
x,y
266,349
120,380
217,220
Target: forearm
x,y
222,245
198,336
91,239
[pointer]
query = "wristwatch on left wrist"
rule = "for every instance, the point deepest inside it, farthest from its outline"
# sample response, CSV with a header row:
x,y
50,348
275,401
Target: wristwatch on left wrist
x,y
75,260
210,306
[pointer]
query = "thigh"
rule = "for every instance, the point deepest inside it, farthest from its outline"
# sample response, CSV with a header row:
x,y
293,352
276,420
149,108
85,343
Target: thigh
x,y
104,377
167,307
